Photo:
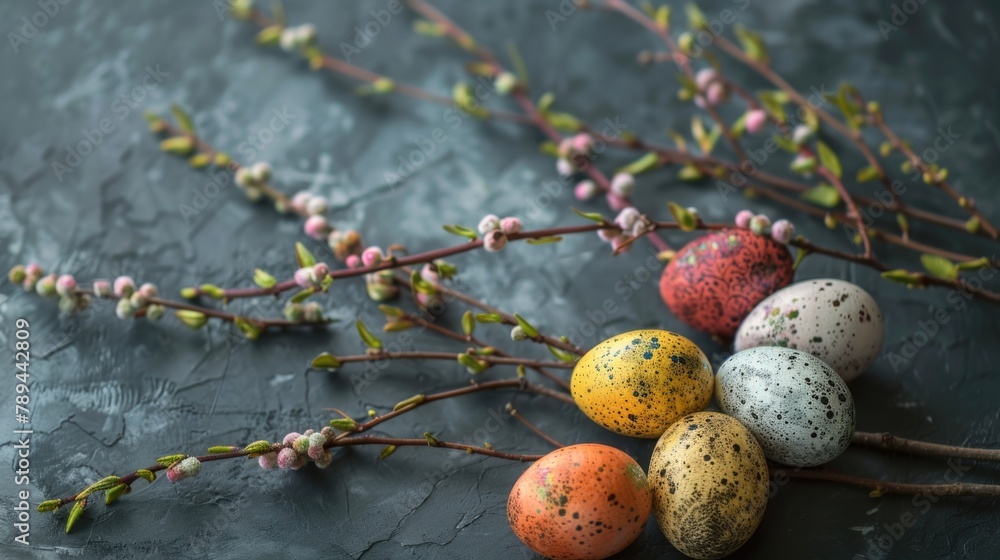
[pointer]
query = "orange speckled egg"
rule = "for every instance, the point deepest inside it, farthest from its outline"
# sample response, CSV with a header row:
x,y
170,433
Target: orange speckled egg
x,y
710,484
582,501
640,382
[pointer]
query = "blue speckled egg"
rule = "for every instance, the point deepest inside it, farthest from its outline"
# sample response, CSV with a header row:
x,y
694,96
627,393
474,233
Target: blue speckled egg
x,y
798,408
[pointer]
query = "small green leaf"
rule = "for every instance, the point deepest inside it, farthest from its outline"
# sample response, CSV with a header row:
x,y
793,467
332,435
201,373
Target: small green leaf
x,y
263,279
774,102
146,474
199,161
662,17
546,101
911,279
696,19
212,291
397,325
823,195
786,144
193,319
386,452
593,216
529,330
220,449
431,440
344,424
468,323
544,240
302,296
103,484
466,100
189,293
489,318
561,355
222,160
250,328
428,28
474,366
415,399
939,266
168,460
74,514
690,173
866,174
644,164
112,495
972,225
258,447
684,218
182,118
367,337
461,231
325,361
390,311
904,224
981,262
885,148
49,505
303,256
752,43
549,148
800,255
563,121
828,158
269,35
178,145
521,371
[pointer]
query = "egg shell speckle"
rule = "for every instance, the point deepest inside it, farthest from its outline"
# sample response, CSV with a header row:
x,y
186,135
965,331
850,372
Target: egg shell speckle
x,y
798,408
581,501
640,382
715,280
836,321
710,484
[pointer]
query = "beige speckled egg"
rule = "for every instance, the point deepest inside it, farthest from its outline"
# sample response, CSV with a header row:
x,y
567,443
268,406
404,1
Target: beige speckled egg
x,y
836,321
640,382
582,501
710,484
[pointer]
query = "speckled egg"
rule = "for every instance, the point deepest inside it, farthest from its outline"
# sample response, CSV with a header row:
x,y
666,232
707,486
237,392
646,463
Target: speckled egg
x,y
581,501
797,407
640,382
715,280
710,484
836,321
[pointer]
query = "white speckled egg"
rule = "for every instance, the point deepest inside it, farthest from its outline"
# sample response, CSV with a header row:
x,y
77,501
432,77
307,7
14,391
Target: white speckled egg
x,y
836,321
797,407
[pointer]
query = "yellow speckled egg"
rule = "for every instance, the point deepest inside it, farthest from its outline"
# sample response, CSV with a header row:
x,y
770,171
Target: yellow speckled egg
x,y
640,382
710,484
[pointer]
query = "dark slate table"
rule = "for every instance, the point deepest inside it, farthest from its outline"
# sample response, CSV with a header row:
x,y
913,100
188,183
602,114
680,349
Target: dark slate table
x,y
110,396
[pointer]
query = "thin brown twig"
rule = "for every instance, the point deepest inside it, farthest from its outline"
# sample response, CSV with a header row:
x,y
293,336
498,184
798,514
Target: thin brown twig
x,y
520,418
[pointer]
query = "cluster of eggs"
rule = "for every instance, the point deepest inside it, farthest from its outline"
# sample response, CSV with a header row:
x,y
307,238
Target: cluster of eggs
x,y
783,396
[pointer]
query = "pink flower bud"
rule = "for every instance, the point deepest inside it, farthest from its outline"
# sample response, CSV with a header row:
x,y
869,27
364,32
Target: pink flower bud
x,y
317,205
430,274
760,224
353,261
608,234
585,190
704,77
65,285
565,147
124,286
510,225
743,218
316,443
148,290
716,93
616,202
627,218
565,167
287,458
583,143
301,444
782,231
102,288
46,286
494,241
325,460
302,278
301,201
371,256
488,223
316,227
174,474
33,270
755,120
268,461
622,184
320,271
290,438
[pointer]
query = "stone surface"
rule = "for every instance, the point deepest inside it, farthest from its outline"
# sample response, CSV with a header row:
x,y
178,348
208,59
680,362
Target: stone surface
x,y
109,396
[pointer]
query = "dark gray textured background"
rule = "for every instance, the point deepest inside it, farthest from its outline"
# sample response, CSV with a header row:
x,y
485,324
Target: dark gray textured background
x,y
110,396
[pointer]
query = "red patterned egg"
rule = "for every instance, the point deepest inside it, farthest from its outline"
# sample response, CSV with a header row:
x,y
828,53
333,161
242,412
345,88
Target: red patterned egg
x,y
715,280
